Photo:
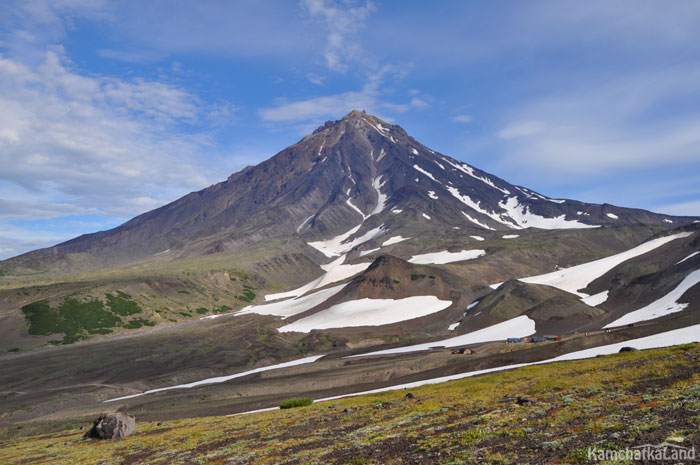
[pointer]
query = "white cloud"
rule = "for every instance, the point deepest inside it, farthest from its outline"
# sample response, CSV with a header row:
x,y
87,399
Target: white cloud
x,y
369,98
521,129
463,119
23,210
341,21
315,78
691,208
419,103
94,142
16,240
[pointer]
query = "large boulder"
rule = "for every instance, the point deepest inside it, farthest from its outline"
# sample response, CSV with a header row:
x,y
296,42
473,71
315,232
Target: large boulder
x,y
112,426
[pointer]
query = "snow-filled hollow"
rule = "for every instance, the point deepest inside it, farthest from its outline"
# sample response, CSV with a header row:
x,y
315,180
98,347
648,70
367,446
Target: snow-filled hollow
x,y
335,271
580,276
291,307
394,240
341,244
440,258
368,312
522,215
666,305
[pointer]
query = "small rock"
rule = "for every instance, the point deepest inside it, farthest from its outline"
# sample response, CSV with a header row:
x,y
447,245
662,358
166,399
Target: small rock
x,y
410,396
348,410
524,401
628,349
112,426
159,423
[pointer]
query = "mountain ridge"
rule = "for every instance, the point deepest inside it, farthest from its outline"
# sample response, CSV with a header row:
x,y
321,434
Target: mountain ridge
x,y
343,174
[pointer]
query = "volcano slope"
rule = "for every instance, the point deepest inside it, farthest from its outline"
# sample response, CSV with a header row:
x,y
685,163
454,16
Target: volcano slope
x,y
356,240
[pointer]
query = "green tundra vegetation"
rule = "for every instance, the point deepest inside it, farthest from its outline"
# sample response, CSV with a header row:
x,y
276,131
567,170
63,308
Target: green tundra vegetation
x,y
292,403
605,403
77,319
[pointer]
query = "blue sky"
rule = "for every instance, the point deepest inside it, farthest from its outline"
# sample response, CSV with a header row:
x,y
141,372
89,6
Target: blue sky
x,y
110,109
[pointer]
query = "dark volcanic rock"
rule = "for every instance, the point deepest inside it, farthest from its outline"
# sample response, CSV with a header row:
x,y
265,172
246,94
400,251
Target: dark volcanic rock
x,y
628,349
112,426
325,184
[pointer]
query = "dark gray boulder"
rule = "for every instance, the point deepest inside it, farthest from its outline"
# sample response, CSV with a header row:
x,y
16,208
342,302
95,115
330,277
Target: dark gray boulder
x,y
628,349
112,426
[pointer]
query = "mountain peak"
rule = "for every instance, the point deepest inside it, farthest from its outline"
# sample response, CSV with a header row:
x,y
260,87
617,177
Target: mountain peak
x,y
356,119
354,114
352,179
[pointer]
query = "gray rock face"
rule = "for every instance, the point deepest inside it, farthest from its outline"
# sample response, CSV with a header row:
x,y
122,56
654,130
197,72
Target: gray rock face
x,y
112,426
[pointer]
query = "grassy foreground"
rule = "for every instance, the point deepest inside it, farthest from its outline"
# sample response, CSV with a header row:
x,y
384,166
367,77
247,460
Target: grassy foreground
x,y
610,402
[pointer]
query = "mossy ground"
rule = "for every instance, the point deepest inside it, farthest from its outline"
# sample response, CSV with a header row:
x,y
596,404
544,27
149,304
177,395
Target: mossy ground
x,y
611,402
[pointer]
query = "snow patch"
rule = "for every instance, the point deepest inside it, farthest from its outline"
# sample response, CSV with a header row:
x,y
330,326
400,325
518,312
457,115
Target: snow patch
x,y
664,306
339,245
394,240
303,223
478,238
525,219
222,379
291,307
432,195
396,211
666,220
453,326
465,199
425,216
470,171
440,258
511,236
368,312
521,326
580,276
415,152
367,252
596,299
161,253
477,222
418,168
688,257
381,198
335,271
612,215
354,207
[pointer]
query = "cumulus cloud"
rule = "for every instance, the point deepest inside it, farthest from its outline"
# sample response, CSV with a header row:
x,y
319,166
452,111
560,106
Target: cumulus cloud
x,y
340,21
93,142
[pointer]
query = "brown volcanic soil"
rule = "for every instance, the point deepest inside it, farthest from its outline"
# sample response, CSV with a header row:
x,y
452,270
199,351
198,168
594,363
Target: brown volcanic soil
x,y
48,389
